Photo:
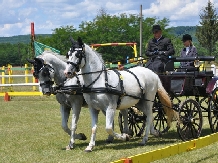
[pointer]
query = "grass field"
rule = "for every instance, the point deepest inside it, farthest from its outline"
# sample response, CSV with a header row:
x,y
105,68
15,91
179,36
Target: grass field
x,y
30,131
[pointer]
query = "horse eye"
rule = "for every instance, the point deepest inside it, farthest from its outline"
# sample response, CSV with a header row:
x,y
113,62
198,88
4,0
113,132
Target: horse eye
x,y
77,55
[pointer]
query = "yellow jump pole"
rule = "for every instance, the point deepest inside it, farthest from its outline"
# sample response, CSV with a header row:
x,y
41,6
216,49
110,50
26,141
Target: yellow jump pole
x,y
26,73
34,80
10,78
3,74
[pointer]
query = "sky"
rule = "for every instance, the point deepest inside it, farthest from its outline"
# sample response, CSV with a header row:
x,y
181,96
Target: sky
x,y
17,15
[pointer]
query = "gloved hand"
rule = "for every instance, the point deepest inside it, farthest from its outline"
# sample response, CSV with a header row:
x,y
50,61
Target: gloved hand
x,y
161,53
155,53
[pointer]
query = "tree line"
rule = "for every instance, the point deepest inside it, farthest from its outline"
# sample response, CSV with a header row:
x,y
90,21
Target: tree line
x,y
106,28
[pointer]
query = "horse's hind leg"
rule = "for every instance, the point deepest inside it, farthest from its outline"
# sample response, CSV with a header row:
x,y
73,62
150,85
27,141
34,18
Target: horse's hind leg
x,y
94,116
147,110
124,113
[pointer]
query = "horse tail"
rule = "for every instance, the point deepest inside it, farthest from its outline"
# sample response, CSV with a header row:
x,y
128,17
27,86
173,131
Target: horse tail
x,y
167,104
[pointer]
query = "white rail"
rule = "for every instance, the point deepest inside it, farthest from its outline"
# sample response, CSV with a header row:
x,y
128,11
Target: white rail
x,y
19,84
7,76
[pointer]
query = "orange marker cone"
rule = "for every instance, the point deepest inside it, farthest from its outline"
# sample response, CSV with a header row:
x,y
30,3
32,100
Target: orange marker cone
x,y
7,97
128,160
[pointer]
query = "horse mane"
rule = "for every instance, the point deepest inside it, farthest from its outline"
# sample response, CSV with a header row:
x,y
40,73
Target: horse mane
x,y
61,57
90,50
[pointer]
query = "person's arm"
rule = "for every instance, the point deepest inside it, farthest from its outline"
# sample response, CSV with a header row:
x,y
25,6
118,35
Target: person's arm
x,y
148,52
170,49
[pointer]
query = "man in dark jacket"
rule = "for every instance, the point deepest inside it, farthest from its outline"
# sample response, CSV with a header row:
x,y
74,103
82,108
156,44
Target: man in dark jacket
x,y
158,50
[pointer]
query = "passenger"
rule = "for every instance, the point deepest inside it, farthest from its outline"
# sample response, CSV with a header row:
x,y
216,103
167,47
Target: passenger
x,y
189,50
158,50
120,67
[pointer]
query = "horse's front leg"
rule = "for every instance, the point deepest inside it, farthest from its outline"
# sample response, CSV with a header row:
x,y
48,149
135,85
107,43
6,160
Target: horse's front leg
x,y
110,138
76,107
109,125
65,113
94,117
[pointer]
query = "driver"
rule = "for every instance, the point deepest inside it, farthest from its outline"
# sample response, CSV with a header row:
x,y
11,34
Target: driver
x,y
158,50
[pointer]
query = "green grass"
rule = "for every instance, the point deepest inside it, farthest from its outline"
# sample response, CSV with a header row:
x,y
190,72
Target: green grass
x,y
30,131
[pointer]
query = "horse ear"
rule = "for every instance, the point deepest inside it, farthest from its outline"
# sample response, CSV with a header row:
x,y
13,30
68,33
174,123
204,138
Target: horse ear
x,y
72,40
39,60
80,41
30,61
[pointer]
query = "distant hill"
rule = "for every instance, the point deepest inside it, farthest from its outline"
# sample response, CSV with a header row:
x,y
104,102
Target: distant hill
x,y
181,30
177,31
20,38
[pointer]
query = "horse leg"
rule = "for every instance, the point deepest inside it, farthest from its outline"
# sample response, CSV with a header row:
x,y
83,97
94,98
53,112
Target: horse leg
x,y
94,116
110,138
76,107
124,113
65,113
109,125
147,110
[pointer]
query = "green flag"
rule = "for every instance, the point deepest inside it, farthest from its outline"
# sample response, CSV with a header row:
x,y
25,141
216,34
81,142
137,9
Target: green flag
x,y
40,48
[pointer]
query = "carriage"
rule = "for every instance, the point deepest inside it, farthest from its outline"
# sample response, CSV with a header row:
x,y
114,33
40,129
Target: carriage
x,y
194,96
109,89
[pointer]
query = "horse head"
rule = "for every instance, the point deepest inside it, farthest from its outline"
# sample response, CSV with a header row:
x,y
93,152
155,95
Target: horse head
x,y
44,73
76,57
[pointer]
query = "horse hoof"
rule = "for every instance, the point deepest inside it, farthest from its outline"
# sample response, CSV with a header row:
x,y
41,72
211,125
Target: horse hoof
x,y
68,147
110,139
142,144
127,137
88,149
82,136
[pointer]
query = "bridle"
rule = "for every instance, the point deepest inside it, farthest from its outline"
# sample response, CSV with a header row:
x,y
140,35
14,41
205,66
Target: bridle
x,y
79,53
45,70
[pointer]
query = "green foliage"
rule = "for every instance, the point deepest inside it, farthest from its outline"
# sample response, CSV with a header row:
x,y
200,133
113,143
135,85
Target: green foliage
x,y
14,54
207,32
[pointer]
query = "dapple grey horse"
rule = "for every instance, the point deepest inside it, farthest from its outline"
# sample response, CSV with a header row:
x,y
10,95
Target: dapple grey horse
x,y
48,66
109,90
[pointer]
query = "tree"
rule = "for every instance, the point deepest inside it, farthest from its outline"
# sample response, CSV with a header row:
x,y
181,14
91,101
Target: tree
x,y
207,32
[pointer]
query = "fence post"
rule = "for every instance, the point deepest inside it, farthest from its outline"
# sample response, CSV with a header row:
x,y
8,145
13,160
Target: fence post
x,y
34,80
26,73
3,74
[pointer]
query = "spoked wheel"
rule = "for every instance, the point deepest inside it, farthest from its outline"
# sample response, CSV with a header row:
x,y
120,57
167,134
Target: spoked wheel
x,y
213,111
160,121
191,120
136,122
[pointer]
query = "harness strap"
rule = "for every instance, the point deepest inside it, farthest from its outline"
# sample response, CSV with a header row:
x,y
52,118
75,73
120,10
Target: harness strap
x,y
140,86
122,91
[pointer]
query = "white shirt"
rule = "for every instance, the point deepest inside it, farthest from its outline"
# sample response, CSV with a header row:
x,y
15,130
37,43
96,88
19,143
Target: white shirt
x,y
187,50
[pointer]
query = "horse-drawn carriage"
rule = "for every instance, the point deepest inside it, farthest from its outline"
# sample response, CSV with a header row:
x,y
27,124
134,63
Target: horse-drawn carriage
x,y
107,90
194,95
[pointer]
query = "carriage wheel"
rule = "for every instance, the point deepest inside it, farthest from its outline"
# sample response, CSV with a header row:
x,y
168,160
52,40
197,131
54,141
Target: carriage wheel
x,y
213,111
160,121
191,120
136,122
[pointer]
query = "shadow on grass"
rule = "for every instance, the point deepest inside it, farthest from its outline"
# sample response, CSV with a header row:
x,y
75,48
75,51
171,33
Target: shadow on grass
x,y
168,138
